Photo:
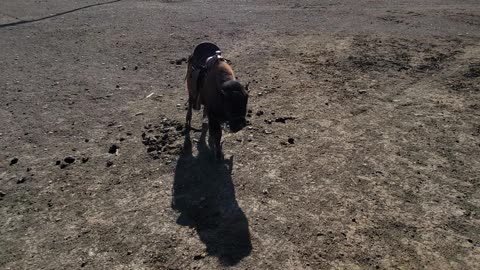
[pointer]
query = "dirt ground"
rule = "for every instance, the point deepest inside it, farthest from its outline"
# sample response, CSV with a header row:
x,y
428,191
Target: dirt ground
x,y
363,150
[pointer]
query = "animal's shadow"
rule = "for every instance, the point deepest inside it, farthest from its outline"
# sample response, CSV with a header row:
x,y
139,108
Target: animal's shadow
x,y
204,195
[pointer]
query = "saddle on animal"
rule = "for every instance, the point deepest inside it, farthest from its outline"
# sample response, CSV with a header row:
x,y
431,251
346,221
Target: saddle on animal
x,y
204,56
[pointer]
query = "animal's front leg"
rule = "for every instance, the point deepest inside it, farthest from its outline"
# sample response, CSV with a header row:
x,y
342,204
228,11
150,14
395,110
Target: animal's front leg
x,y
215,136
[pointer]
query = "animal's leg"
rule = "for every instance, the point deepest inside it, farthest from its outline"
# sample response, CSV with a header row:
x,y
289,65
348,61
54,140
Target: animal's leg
x,y
188,122
214,138
204,118
203,135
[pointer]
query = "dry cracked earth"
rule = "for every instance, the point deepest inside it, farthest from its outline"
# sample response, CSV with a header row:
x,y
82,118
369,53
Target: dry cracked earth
x,y
363,149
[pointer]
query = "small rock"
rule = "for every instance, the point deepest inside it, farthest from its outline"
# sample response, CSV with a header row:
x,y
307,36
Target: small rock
x,y
124,67
85,159
238,139
291,140
57,162
362,91
354,220
23,179
109,163
87,140
265,191
2,194
63,166
259,113
281,120
13,161
69,159
199,257
267,132
136,67
249,139
113,149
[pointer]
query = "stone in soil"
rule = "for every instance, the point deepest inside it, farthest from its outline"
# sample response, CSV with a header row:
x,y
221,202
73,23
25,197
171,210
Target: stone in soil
x,y
283,119
199,257
85,159
113,149
23,179
109,163
13,161
69,159
291,140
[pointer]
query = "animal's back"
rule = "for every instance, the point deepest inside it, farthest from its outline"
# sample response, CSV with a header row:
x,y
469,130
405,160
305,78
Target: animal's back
x,y
219,73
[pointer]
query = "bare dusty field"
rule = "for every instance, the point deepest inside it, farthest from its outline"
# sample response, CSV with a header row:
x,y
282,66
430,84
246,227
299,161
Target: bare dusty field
x,y
363,150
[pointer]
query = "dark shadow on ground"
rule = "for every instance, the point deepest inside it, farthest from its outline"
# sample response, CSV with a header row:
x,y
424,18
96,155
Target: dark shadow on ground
x,y
204,195
55,15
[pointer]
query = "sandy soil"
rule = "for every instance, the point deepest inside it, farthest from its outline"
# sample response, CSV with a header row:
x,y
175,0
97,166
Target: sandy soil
x,y
363,150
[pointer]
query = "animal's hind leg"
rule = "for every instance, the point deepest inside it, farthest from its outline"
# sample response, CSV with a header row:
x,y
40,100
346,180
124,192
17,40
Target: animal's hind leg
x,y
188,120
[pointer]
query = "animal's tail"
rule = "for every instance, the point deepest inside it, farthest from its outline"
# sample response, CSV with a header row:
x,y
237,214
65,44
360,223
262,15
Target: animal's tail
x,y
189,66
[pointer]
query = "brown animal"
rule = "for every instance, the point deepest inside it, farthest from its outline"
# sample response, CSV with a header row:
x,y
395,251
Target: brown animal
x,y
211,82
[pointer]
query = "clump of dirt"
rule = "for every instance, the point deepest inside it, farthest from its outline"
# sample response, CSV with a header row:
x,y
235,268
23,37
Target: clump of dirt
x,y
473,71
163,141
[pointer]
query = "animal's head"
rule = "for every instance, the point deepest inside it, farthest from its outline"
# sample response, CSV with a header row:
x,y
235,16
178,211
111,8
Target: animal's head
x,y
235,98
